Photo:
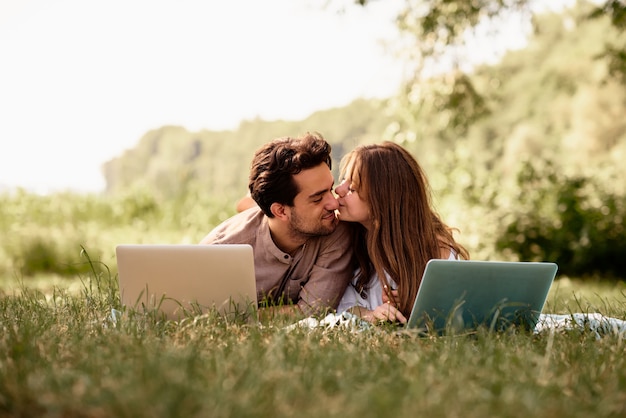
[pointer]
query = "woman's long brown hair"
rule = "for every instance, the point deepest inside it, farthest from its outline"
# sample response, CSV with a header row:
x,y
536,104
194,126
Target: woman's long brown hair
x,y
406,232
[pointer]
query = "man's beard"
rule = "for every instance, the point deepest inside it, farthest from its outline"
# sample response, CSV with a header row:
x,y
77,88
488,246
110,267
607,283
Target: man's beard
x,y
307,230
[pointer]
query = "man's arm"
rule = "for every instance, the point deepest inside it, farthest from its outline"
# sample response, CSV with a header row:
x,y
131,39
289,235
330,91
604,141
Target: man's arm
x,y
244,203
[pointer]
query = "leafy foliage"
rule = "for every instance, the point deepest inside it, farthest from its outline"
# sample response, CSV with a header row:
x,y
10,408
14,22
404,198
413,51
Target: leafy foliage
x,y
570,220
547,107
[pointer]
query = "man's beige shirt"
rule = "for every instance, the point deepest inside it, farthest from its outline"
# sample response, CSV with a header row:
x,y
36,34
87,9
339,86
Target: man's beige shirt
x,y
315,278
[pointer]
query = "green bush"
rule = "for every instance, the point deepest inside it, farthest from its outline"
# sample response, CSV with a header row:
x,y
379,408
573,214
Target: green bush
x,y
36,253
570,220
47,234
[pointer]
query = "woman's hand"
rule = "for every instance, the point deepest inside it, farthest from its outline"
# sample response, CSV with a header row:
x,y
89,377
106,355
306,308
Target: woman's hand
x,y
383,313
390,296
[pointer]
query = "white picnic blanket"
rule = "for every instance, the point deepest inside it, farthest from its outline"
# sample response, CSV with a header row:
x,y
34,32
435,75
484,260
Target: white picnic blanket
x,y
596,323
344,319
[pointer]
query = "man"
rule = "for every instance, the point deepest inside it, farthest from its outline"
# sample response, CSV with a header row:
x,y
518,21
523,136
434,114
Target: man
x,y
302,254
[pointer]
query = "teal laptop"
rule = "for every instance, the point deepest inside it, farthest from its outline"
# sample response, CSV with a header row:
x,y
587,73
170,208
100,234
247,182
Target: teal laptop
x,y
461,295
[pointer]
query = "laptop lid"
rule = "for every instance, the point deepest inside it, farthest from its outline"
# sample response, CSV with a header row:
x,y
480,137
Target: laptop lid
x,y
459,295
181,279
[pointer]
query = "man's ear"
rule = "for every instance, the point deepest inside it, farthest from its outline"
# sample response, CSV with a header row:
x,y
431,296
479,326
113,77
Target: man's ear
x,y
279,211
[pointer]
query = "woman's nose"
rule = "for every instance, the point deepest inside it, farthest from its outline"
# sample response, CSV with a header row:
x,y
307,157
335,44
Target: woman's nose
x,y
339,190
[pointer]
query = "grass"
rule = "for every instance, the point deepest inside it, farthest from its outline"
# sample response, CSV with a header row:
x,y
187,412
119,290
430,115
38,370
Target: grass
x,y
62,355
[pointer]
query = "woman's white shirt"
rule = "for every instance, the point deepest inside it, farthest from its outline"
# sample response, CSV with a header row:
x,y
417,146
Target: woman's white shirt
x,y
370,298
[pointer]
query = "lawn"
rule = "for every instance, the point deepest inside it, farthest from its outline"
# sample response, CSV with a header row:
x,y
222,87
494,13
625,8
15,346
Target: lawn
x,y
62,355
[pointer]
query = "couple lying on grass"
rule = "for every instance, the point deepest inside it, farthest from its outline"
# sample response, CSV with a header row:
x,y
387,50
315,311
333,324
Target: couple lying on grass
x,y
307,261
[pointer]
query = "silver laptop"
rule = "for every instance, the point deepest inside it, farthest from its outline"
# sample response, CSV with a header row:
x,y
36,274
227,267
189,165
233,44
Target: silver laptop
x,y
460,295
180,280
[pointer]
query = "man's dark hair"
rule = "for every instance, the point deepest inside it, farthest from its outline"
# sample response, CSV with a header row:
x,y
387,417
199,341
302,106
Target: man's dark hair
x,y
275,164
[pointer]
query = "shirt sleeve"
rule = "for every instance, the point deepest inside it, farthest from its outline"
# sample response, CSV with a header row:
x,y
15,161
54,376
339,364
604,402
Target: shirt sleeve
x,y
349,299
370,299
330,275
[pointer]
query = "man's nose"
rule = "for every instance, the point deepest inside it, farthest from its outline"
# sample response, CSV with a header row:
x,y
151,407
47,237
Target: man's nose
x,y
332,202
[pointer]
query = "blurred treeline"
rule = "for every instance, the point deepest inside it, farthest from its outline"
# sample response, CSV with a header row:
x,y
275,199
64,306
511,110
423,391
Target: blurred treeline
x,y
537,174
173,187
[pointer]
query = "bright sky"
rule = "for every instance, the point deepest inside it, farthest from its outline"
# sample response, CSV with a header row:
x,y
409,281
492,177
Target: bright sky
x,y
81,81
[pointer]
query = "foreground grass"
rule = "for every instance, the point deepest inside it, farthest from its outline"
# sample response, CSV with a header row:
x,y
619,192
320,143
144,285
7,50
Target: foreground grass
x,y
61,355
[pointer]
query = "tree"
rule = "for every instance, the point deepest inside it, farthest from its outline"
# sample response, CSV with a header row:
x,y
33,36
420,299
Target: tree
x,y
559,101
440,33
615,54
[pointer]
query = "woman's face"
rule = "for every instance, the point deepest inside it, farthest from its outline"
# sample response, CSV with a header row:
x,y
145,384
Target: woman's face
x,y
352,208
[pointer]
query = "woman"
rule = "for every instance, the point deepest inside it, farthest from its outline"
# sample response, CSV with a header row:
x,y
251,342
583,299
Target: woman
x,y
385,191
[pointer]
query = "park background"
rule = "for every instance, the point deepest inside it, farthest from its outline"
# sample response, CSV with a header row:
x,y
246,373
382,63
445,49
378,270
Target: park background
x,y
524,153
